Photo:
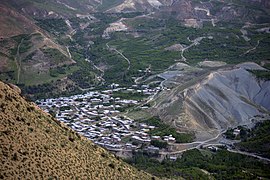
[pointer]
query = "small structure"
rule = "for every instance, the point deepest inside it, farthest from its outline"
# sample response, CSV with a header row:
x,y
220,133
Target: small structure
x,y
236,132
169,138
212,148
173,158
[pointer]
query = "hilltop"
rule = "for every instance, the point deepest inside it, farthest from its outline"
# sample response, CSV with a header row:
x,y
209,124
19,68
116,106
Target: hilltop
x,y
34,145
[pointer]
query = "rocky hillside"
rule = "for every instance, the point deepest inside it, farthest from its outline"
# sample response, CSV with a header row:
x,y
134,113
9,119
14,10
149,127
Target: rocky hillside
x,y
29,54
181,9
11,18
139,5
68,8
226,98
53,8
195,13
33,145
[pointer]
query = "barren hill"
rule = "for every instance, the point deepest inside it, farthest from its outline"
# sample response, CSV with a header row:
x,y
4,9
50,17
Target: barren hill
x,y
226,98
33,145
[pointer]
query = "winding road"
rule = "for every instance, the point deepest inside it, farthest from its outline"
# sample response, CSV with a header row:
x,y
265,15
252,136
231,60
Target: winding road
x,y
194,145
99,69
141,77
194,43
252,49
69,54
203,9
18,61
121,54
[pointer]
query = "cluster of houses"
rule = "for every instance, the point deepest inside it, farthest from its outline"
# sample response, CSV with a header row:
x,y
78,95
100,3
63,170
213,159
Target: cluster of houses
x,y
96,116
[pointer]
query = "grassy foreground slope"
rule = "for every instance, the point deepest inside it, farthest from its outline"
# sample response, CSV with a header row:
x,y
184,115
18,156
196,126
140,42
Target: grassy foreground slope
x,y
33,145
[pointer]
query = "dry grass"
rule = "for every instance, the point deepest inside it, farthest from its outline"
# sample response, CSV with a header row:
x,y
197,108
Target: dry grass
x,y
13,23
33,145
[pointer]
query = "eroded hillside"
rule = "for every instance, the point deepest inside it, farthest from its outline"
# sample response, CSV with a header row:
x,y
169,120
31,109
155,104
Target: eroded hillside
x,y
34,146
226,98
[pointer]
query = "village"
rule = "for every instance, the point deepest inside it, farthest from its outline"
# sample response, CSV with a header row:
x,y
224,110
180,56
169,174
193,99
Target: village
x,y
97,116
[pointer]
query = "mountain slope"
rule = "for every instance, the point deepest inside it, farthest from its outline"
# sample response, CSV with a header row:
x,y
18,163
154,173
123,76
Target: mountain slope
x,y
13,23
137,5
29,55
195,13
33,145
53,8
226,98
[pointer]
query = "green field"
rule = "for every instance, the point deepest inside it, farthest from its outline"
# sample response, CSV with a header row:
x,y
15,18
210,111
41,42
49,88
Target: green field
x,y
219,44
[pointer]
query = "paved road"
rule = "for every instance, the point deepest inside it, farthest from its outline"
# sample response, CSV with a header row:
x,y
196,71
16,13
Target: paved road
x,y
196,144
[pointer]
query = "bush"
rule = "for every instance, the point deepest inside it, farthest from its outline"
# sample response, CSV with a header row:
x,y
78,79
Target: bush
x,y
159,144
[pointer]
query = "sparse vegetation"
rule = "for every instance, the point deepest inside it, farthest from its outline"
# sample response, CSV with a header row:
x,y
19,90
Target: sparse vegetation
x,y
163,129
56,27
55,55
261,74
